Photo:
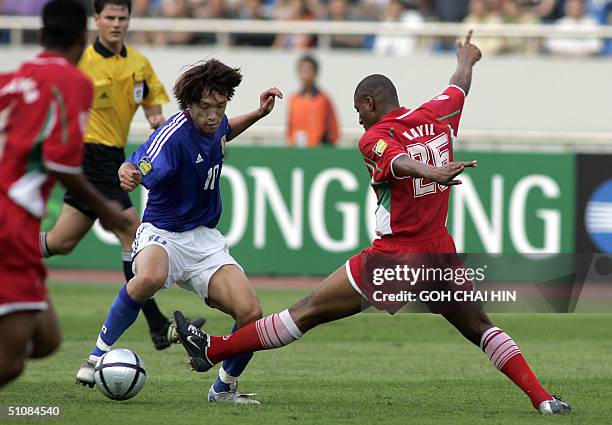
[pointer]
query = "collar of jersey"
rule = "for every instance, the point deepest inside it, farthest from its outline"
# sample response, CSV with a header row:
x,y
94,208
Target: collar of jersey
x,y
102,50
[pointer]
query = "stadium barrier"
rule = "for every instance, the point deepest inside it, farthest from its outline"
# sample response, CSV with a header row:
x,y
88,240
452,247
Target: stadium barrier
x,y
304,212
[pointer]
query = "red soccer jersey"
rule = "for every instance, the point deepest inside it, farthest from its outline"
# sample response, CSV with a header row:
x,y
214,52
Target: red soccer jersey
x,y
412,207
43,111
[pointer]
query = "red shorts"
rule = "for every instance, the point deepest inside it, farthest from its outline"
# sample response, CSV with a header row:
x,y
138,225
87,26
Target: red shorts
x,y
22,273
437,254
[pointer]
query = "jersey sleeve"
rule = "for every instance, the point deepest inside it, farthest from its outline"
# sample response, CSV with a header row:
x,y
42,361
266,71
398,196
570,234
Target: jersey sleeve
x,y
155,161
448,106
378,154
68,101
156,92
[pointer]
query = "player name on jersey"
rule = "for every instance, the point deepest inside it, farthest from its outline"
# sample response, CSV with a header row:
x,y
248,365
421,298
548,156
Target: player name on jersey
x,y
419,131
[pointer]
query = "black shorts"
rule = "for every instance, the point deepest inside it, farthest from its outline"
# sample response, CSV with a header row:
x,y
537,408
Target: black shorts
x,y
100,166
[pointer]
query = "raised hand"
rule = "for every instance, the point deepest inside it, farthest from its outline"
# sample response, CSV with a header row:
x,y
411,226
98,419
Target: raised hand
x,y
467,51
267,99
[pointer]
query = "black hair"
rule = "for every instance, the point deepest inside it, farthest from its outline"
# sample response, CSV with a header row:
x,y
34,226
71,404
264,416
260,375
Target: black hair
x,y
64,24
311,60
98,5
379,87
203,78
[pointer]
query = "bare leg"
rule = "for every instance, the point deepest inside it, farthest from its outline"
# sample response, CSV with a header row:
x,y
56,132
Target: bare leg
x,y
333,299
229,290
47,335
16,330
504,353
71,226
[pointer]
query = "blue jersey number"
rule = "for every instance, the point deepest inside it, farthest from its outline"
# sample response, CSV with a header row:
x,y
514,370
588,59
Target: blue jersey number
x,y
213,172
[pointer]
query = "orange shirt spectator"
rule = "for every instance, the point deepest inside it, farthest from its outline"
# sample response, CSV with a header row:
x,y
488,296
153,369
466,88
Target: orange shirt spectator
x,y
312,118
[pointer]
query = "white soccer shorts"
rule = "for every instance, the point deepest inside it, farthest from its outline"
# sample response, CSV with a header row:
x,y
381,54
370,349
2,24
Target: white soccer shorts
x,y
193,256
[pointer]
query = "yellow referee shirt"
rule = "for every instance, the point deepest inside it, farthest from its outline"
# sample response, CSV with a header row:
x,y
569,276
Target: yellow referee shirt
x,y
122,83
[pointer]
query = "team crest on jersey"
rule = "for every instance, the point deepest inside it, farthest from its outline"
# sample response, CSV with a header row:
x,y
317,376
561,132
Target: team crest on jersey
x,y
144,165
223,140
138,91
380,147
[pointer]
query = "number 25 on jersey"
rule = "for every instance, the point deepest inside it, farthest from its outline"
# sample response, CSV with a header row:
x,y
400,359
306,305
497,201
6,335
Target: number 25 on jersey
x,y
433,152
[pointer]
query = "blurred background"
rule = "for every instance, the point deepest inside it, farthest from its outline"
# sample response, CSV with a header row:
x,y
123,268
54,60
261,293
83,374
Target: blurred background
x,y
537,117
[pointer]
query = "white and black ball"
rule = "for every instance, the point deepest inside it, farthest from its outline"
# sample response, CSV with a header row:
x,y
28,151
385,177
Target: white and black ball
x,y
120,374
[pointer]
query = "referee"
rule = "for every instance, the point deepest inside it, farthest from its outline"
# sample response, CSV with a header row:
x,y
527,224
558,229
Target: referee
x,y
123,80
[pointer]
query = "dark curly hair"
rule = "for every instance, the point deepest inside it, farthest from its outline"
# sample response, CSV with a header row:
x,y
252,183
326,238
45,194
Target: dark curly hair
x,y
204,78
64,24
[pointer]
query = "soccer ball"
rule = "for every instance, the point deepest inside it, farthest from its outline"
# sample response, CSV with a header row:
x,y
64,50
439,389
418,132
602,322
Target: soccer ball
x,y
120,374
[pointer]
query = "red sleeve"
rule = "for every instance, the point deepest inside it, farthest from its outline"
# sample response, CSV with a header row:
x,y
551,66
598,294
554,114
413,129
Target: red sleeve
x,y
447,106
378,155
70,99
6,96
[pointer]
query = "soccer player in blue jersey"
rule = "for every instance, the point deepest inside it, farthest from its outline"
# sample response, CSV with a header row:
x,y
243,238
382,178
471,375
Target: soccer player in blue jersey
x,y
177,242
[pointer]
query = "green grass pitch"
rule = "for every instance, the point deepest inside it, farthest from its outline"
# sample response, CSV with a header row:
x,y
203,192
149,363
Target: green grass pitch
x,y
372,368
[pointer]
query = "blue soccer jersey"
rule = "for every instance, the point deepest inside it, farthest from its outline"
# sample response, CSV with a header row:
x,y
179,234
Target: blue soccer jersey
x,y
181,167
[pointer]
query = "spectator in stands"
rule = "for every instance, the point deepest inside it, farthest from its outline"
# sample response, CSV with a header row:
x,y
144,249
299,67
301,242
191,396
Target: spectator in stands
x,y
575,19
141,9
22,7
312,119
372,10
399,45
174,9
513,12
486,12
605,18
341,11
252,9
448,11
294,10
548,10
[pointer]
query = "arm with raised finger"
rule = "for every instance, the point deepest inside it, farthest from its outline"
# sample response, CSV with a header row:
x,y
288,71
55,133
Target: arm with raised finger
x,y
266,104
467,56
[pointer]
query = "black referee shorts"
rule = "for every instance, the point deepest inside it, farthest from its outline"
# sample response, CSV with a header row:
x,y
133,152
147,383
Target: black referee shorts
x,y
100,166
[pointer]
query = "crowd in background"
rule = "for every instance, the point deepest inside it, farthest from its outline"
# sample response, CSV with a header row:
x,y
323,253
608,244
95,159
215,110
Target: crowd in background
x,y
569,14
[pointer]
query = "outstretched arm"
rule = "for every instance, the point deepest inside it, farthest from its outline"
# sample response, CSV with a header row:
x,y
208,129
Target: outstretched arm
x,y
266,104
404,166
467,56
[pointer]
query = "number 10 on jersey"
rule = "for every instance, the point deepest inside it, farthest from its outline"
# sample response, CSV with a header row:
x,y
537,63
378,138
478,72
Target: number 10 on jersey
x,y
213,173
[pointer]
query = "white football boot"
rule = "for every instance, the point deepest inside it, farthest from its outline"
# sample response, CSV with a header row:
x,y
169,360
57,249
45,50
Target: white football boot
x,y
232,396
85,375
554,406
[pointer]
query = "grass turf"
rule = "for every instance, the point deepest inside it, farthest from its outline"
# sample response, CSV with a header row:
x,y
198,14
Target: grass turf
x,y
371,368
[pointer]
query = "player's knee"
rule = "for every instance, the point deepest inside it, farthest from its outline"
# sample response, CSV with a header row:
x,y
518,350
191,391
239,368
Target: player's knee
x,y
10,369
48,346
145,284
249,314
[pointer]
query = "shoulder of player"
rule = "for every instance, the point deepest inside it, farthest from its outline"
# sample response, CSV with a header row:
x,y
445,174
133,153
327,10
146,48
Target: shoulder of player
x,y
89,54
372,136
170,135
65,76
136,55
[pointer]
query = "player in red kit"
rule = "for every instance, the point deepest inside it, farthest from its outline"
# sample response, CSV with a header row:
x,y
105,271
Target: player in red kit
x,y
409,155
43,109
